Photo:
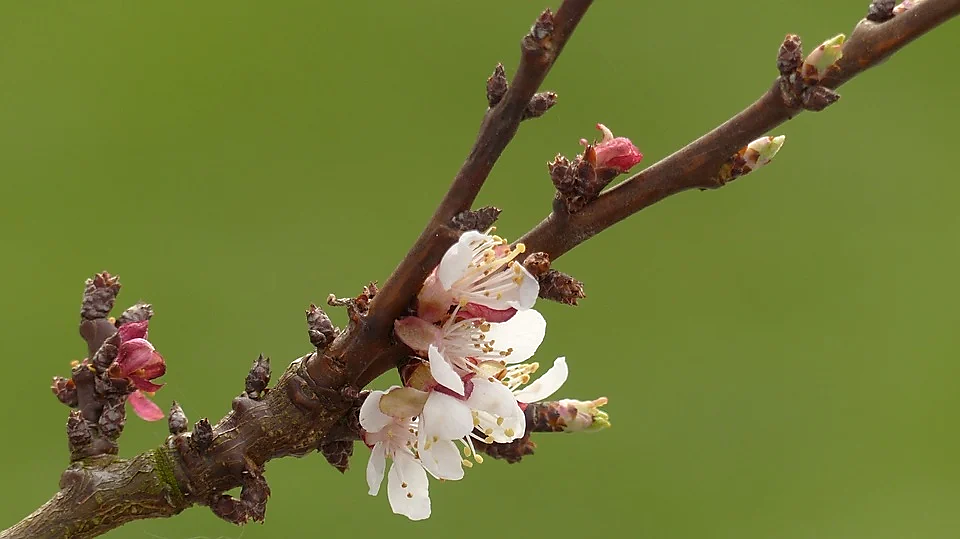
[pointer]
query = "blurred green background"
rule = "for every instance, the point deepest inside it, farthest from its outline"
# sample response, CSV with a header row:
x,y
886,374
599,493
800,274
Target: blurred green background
x,y
779,354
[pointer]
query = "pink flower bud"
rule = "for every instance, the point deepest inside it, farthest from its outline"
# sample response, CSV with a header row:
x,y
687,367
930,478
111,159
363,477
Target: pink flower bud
x,y
616,153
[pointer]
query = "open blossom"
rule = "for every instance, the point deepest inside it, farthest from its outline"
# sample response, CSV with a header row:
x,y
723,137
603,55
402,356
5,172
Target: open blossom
x,y
478,272
140,363
391,428
617,153
456,348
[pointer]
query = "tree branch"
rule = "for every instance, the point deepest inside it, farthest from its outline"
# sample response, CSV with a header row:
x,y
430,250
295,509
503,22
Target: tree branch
x,y
695,166
313,405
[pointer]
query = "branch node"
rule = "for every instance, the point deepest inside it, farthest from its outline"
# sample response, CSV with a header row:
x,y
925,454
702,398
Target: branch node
x,y
817,98
258,378
881,10
481,219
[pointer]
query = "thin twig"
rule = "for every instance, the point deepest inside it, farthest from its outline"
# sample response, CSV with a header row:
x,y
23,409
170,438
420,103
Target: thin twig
x,y
695,165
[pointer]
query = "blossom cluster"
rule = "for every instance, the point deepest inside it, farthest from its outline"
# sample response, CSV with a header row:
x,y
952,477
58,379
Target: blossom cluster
x,y
474,328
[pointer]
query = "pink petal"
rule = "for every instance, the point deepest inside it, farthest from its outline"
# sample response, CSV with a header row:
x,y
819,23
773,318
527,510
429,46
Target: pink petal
x,y
155,368
475,310
136,354
133,330
144,407
619,154
144,384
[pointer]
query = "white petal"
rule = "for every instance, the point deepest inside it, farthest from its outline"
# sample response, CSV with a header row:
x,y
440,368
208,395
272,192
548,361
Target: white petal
x,y
403,402
547,384
371,418
443,372
499,414
524,333
443,418
457,258
525,295
442,460
407,488
375,468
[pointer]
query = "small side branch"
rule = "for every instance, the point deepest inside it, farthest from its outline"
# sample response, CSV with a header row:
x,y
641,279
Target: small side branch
x,y
696,165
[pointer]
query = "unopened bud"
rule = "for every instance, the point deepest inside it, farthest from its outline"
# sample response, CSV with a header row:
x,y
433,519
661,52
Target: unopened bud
x,y
822,58
202,436
113,418
761,151
177,422
496,85
65,390
584,416
78,435
902,7
258,378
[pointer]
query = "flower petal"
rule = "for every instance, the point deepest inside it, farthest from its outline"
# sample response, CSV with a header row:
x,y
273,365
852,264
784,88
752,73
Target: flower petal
x,y
416,333
144,384
497,410
525,294
144,407
442,460
155,368
375,468
133,330
371,418
457,258
444,418
489,314
546,385
443,372
134,355
524,333
403,402
407,488
433,301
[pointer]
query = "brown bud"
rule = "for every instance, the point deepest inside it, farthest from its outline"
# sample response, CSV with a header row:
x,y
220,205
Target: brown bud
x,y
65,390
113,418
107,353
881,10
511,452
258,378
496,85
99,294
480,219
537,263
319,327
559,173
202,437
791,55
137,313
78,434
177,422
338,454
542,29
817,98
558,286
539,104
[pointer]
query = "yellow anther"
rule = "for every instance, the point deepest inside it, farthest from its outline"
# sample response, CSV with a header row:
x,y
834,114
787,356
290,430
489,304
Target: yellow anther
x,y
499,421
479,459
466,451
521,247
488,440
488,431
466,463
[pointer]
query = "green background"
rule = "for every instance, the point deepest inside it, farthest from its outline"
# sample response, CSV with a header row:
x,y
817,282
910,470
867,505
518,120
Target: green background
x,y
779,354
